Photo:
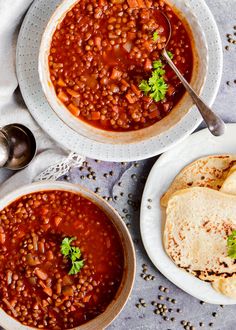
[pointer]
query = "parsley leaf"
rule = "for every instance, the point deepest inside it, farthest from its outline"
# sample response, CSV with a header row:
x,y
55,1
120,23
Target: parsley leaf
x,y
171,55
231,245
155,36
159,90
73,253
144,87
65,245
155,86
76,267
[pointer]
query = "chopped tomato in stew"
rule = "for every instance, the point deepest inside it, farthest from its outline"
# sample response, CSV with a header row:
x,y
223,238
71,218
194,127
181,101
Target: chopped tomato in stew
x,y
35,287
101,52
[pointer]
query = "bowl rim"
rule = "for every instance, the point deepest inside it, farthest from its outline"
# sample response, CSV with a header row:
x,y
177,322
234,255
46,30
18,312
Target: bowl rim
x,y
183,106
123,293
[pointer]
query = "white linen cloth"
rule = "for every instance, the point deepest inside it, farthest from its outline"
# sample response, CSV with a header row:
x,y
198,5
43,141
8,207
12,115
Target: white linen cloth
x,y
13,109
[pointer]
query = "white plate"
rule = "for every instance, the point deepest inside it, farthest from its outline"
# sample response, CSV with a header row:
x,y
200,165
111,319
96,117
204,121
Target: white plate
x,y
162,174
27,64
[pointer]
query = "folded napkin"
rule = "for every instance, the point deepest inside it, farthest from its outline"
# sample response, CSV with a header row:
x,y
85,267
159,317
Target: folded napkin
x,y
51,158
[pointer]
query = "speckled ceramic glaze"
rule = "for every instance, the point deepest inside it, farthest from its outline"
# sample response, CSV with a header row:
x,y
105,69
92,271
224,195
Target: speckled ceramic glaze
x,y
153,142
115,307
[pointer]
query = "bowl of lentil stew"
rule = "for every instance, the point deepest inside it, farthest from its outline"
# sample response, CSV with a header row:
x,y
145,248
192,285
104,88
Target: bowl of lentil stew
x,y
94,57
40,287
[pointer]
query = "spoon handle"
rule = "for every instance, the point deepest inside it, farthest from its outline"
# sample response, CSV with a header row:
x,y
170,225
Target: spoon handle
x,y
214,123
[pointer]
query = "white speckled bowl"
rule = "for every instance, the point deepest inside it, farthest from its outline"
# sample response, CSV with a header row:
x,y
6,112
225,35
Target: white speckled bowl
x,y
116,306
166,124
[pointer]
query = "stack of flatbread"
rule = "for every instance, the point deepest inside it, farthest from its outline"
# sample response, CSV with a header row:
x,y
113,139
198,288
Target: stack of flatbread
x,y
200,215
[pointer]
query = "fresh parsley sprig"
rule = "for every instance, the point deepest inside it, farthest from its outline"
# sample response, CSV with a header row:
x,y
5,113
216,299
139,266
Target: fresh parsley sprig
x,y
170,54
155,36
73,253
231,245
155,86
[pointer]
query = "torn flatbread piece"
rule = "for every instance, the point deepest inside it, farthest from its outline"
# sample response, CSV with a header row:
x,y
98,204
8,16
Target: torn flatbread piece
x,y
210,171
198,222
227,286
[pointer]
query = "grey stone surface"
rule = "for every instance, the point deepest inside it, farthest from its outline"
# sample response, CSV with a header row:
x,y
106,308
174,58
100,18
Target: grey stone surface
x,y
129,192
191,310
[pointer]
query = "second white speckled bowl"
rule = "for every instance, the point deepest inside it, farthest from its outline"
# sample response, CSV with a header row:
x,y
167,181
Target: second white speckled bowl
x,y
118,303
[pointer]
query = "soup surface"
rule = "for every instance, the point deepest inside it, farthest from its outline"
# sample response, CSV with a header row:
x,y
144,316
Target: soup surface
x,y
35,285
102,58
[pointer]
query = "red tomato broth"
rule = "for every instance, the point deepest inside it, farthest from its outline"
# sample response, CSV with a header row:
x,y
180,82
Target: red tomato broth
x,y
101,52
34,276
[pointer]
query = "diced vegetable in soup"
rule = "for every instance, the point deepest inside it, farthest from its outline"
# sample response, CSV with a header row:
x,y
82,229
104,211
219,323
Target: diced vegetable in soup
x,y
102,62
61,260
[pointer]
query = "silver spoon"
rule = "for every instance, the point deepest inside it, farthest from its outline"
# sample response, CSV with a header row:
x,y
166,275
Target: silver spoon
x,y
214,123
17,146
4,149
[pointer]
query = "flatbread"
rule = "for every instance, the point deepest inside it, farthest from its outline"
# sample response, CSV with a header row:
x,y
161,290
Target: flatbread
x,y
208,172
198,222
229,185
228,286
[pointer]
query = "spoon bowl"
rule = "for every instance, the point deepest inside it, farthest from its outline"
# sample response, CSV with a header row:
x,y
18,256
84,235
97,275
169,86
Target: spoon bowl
x,y
4,149
21,146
